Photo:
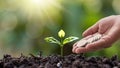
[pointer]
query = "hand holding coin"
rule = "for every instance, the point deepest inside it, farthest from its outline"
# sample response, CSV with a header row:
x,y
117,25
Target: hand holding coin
x,y
101,35
91,39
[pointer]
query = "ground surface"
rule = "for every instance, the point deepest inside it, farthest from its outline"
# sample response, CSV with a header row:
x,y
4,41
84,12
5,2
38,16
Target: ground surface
x,y
56,61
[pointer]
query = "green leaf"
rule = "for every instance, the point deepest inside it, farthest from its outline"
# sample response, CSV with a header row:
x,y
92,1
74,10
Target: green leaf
x,y
69,39
52,40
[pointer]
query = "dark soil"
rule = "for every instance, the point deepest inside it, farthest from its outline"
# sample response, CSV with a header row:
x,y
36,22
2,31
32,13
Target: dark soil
x,y
56,61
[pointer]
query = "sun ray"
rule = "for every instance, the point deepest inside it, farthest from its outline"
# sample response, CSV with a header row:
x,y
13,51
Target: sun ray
x,y
61,7
43,9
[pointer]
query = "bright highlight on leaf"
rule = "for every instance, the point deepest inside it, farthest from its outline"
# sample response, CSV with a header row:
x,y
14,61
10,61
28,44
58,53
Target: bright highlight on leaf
x,y
69,39
61,33
52,40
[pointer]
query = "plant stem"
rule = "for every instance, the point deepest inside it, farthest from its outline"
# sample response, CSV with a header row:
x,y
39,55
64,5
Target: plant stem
x,y
61,46
61,50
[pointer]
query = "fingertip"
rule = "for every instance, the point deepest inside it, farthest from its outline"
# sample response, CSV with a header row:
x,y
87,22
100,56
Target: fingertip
x,y
91,46
85,33
78,51
81,50
91,30
74,48
73,51
75,44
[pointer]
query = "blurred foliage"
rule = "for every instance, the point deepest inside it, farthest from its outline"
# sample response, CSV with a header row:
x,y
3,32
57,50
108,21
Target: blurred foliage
x,y
24,24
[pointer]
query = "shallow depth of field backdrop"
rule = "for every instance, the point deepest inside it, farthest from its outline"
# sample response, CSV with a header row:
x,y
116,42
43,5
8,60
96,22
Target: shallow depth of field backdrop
x,y
25,23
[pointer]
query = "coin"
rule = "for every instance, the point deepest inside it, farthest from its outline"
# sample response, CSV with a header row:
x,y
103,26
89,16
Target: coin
x,y
82,43
95,37
90,40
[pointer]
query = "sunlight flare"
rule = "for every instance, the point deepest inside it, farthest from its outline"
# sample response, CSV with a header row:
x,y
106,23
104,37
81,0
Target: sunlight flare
x,y
41,8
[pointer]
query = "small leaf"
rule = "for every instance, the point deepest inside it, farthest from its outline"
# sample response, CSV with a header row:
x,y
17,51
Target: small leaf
x,y
52,40
69,39
61,33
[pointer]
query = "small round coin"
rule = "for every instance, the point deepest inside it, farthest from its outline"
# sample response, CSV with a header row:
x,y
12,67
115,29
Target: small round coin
x,y
82,43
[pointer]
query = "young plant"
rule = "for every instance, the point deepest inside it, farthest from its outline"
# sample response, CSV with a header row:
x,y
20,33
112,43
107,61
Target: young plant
x,y
62,41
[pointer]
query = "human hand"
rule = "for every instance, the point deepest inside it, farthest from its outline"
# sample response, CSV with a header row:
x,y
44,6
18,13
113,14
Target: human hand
x,y
109,27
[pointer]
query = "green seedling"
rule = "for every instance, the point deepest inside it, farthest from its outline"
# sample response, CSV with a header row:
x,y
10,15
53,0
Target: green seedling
x,y
62,41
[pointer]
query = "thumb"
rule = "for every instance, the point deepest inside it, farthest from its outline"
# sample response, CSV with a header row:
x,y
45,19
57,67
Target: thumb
x,y
93,29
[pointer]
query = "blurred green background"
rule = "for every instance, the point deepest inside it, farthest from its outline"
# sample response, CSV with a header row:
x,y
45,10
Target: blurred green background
x,y
25,23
